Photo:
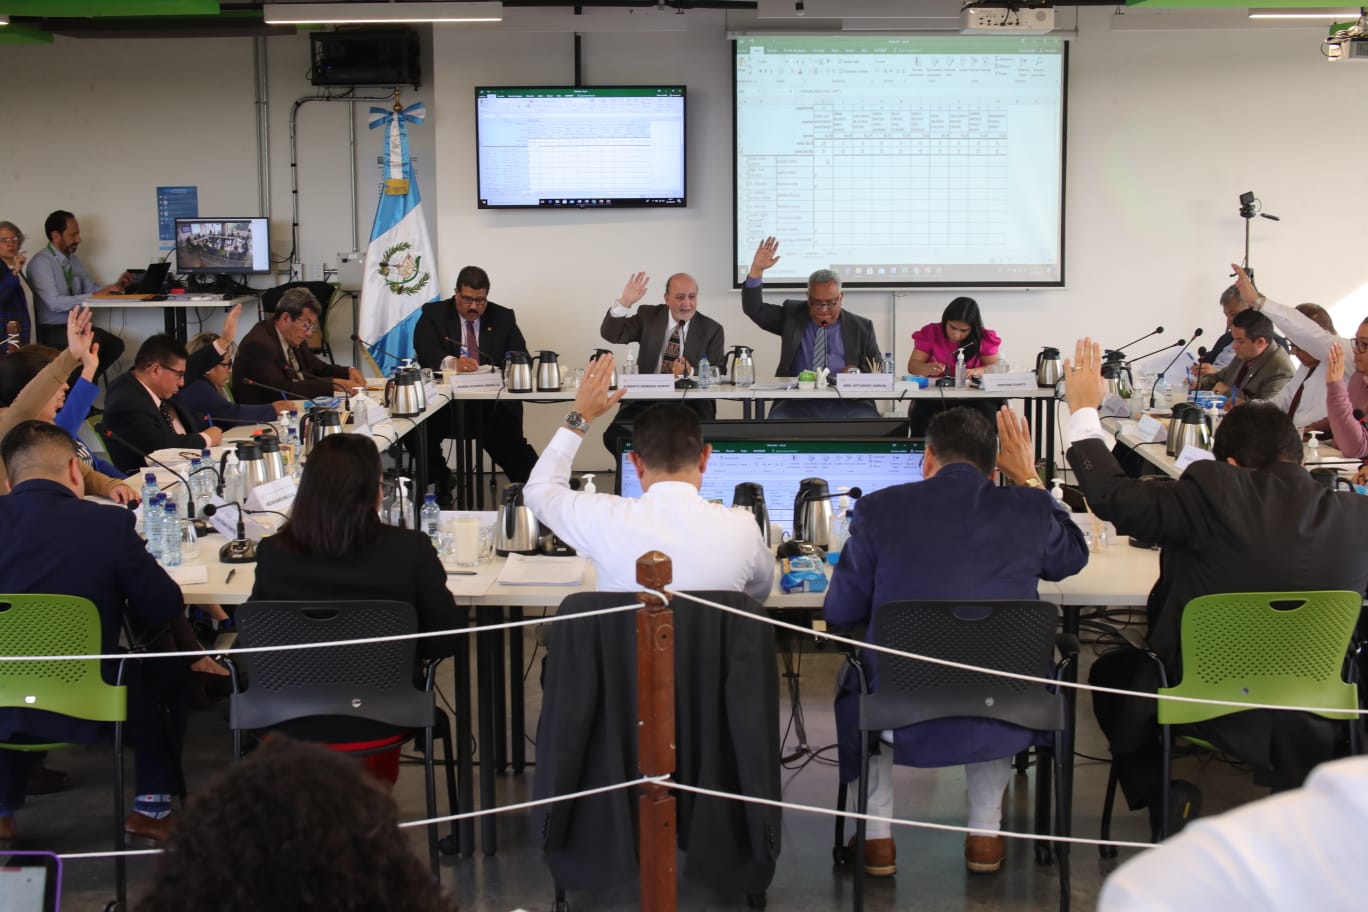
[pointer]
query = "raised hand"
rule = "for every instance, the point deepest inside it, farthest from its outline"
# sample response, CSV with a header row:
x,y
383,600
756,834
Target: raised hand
x,y
766,255
230,323
79,333
1016,456
1083,383
1334,369
635,289
1245,285
593,398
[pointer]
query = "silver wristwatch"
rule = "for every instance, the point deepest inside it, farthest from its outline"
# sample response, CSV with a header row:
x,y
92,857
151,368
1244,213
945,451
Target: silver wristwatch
x,y
577,422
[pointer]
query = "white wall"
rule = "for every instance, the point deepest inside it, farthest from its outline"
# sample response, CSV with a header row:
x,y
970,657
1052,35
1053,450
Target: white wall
x,y
1166,128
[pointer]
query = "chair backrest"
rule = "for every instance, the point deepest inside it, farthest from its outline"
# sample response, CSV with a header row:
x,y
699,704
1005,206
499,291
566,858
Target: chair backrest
x,y
92,439
371,681
1285,648
35,625
1013,636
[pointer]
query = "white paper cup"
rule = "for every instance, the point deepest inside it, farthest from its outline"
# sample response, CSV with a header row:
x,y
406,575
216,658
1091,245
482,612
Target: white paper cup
x,y
465,531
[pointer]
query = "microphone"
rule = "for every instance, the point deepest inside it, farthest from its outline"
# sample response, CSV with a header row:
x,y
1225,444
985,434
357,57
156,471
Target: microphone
x,y
241,550
1120,351
483,355
1195,333
1156,351
103,430
284,393
376,348
1201,352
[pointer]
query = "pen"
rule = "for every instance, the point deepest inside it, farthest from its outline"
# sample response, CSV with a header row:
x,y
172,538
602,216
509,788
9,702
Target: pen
x,y
229,578
462,573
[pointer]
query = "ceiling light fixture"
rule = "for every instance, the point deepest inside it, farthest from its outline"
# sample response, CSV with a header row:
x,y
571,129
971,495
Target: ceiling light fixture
x,y
1335,15
375,13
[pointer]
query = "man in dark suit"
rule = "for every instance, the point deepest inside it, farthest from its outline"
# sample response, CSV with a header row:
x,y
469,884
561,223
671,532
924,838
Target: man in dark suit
x,y
1251,520
814,334
56,542
139,407
460,334
673,337
276,353
989,542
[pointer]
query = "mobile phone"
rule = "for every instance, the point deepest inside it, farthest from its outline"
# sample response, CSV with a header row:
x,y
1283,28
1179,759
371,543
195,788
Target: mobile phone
x,y
30,881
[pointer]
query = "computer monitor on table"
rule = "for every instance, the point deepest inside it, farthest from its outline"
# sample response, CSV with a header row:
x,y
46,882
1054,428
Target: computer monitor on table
x,y
780,464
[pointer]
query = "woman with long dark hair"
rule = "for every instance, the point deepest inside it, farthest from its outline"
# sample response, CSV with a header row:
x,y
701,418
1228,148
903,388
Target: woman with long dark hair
x,y
934,349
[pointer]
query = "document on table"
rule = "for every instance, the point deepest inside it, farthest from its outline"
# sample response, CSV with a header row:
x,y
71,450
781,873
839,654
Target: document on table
x,y
537,570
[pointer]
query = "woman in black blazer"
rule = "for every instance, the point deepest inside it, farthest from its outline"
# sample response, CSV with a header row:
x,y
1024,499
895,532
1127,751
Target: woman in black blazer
x,y
334,547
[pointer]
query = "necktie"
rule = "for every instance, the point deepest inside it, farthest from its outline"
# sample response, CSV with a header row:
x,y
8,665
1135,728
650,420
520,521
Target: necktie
x,y
169,415
1296,397
292,361
672,348
472,346
819,349
1240,374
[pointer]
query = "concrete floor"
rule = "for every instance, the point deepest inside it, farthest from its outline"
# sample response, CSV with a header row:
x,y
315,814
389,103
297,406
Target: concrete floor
x,y
931,872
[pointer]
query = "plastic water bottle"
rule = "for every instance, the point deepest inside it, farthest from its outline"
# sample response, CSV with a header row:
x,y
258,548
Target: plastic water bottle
x,y
961,374
630,366
153,511
171,536
704,372
209,478
149,491
432,520
196,477
888,366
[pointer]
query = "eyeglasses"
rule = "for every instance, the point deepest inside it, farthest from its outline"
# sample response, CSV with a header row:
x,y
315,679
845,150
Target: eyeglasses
x,y
11,240
167,367
467,299
824,303
1360,346
309,325
226,362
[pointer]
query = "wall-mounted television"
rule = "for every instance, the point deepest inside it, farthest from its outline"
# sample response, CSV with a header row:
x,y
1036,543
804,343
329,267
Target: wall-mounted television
x,y
223,246
595,147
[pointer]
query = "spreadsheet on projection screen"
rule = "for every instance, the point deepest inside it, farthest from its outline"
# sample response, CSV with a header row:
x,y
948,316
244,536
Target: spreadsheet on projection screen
x,y
902,160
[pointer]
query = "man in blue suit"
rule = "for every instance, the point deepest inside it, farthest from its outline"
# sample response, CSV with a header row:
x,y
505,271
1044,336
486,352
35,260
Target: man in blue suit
x,y
55,542
955,535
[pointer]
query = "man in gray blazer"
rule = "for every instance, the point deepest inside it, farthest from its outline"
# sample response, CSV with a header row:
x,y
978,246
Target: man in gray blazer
x,y
673,336
814,333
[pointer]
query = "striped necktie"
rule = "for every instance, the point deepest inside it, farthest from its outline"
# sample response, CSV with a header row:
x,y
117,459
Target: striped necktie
x,y
819,349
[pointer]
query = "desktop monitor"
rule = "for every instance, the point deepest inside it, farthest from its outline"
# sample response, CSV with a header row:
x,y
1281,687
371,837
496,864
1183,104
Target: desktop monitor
x,y
223,246
779,465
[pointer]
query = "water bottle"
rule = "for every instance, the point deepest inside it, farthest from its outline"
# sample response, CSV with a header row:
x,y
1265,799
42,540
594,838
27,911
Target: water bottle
x,y
704,372
152,522
209,478
961,374
149,491
630,366
432,520
888,363
171,536
196,476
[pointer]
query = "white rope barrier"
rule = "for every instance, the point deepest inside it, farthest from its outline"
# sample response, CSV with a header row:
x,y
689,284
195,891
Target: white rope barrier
x,y
81,856
1016,676
399,637
569,796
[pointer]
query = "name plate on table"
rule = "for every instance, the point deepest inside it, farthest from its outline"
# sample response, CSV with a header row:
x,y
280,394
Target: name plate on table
x,y
480,381
1190,455
864,383
1150,430
646,383
1009,382
273,495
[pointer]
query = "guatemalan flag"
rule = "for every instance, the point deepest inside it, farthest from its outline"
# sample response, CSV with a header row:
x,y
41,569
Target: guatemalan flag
x,y
401,269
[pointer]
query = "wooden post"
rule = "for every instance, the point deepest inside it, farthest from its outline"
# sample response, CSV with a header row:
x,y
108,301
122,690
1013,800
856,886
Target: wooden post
x,y
656,733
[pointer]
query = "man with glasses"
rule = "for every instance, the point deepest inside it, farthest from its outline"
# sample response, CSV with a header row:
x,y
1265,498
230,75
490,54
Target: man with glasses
x,y
60,283
814,334
464,333
140,409
276,353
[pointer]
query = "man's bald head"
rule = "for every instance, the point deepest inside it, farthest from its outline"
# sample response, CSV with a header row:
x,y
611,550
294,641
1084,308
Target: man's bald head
x,y
37,449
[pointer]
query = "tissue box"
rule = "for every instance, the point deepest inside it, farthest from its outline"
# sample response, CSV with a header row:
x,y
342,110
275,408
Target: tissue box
x,y
802,574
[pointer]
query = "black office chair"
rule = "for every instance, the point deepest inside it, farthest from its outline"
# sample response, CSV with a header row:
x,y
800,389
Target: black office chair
x,y
325,292
727,738
1012,636
340,694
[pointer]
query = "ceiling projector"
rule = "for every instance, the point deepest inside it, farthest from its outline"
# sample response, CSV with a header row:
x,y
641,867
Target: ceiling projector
x,y
1006,18
1349,42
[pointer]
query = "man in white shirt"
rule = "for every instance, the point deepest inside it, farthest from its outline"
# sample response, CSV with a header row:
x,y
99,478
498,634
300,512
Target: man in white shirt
x,y
711,546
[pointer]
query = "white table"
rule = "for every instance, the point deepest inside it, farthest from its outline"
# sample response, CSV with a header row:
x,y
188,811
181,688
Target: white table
x,y
1156,454
173,308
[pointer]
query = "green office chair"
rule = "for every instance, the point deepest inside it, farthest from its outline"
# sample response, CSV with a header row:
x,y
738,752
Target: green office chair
x,y
1275,648
35,625
92,439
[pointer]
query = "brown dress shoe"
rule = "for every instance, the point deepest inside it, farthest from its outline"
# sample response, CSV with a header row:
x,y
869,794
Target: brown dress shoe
x,y
984,854
8,832
152,829
880,857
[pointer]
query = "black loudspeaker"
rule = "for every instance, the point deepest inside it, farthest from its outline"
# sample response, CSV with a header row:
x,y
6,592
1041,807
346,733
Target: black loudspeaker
x,y
365,57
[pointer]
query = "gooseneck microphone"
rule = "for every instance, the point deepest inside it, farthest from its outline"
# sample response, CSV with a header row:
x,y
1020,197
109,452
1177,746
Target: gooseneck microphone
x,y
1195,333
241,550
1178,344
375,348
103,430
284,393
1121,350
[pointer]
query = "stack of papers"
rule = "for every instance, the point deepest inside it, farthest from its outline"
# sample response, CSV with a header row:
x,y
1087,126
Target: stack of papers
x,y
537,570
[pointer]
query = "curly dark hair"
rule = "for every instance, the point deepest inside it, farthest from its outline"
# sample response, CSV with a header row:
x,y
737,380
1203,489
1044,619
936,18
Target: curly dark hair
x,y
305,829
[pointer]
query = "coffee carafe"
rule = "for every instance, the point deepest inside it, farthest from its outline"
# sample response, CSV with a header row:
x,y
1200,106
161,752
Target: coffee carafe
x,y
1193,430
812,512
252,466
1175,426
751,496
318,423
1119,380
517,529
613,379
518,372
548,372
404,393
1049,367
272,457
740,366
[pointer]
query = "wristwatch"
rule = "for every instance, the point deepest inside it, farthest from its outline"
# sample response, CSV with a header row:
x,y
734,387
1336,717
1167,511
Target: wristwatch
x,y
1034,481
577,422
1258,302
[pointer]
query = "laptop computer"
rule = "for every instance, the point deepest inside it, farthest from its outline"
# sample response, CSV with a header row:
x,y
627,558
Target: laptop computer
x,y
149,280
